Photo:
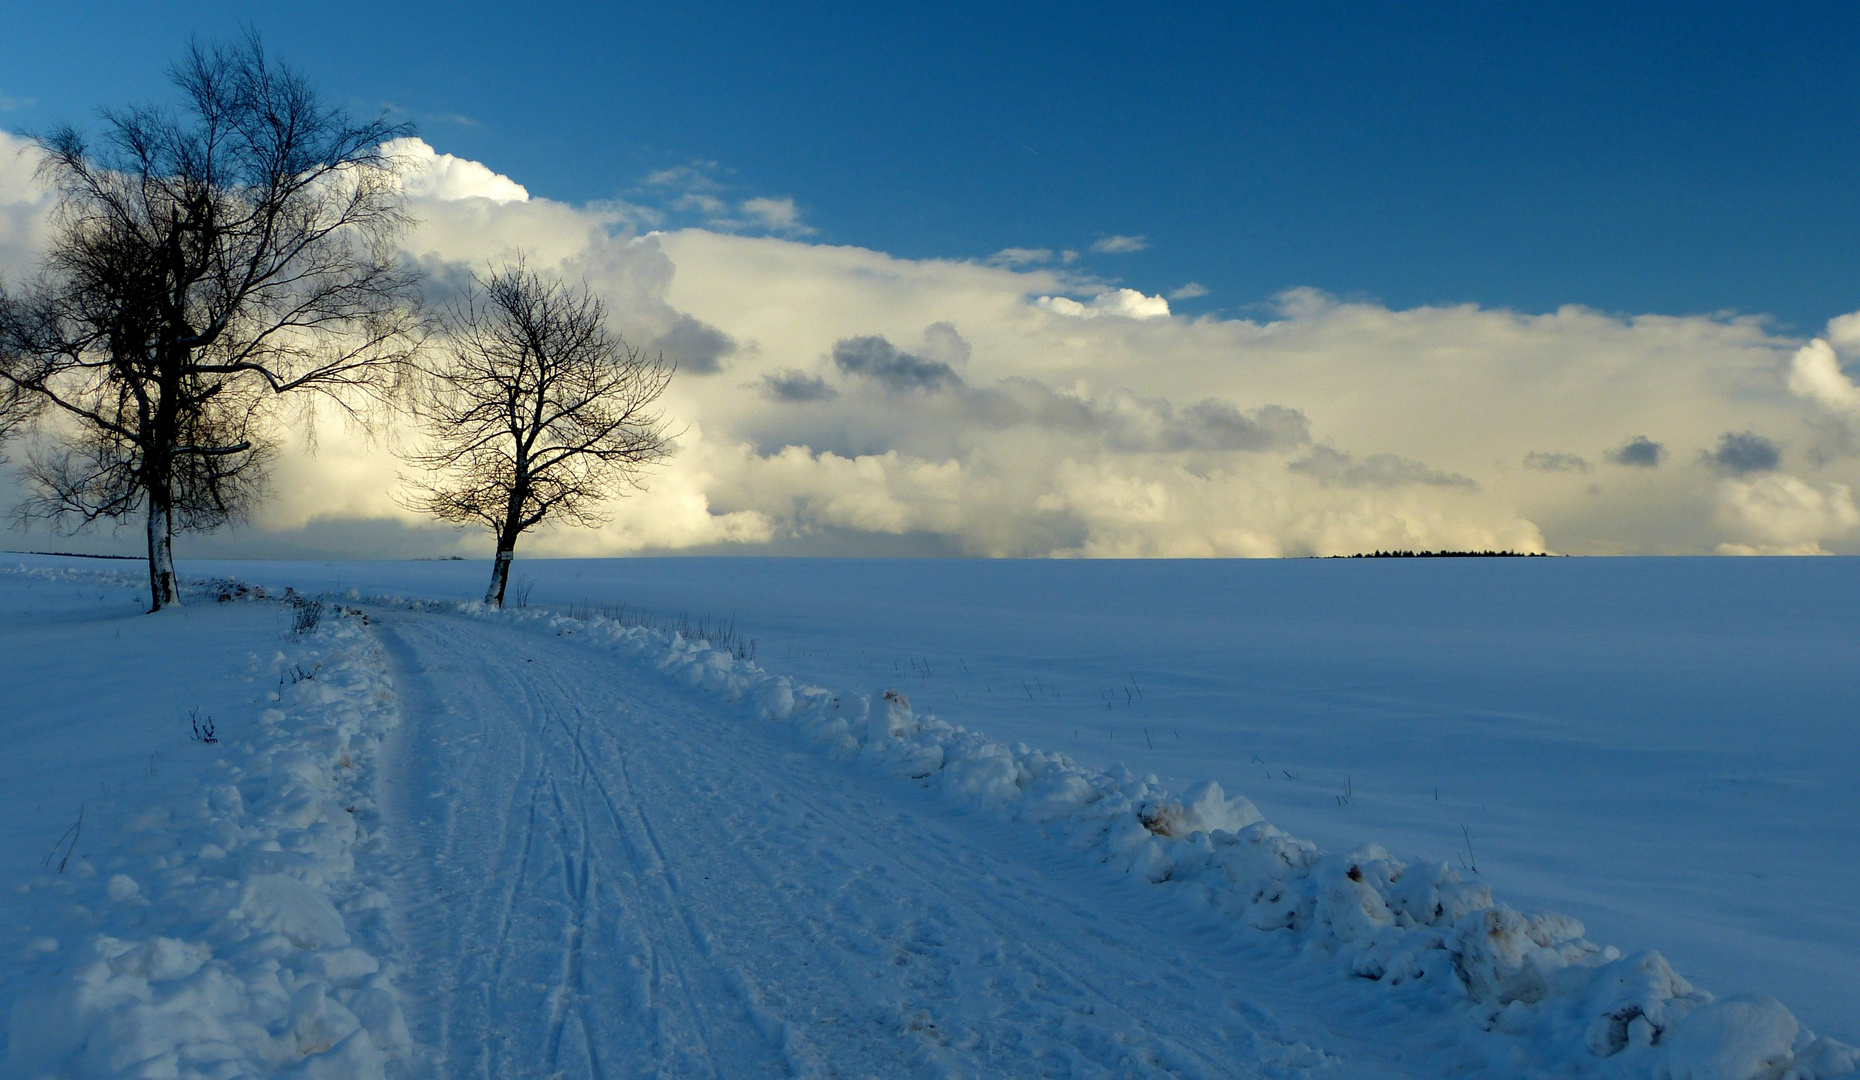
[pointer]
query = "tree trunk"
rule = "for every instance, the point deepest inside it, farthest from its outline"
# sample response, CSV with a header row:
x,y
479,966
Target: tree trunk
x,y
500,572
163,588
507,536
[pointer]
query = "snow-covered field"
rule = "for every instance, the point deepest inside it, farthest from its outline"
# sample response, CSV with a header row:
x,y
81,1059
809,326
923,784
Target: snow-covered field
x,y
188,882
1661,748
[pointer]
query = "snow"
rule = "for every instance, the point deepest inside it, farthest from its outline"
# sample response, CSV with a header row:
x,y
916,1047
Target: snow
x,y
1530,976
1281,955
210,917
1661,748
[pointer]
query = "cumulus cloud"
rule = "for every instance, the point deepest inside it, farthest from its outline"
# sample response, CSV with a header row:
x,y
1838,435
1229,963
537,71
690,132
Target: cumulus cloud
x,y
1057,433
698,348
1742,453
1815,372
430,174
1816,376
1844,332
1124,507
1212,424
23,206
795,387
1126,422
1189,291
1005,407
1555,462
1121,303
1332,466
945,344
1639,452
898,372
1120,245
1783,515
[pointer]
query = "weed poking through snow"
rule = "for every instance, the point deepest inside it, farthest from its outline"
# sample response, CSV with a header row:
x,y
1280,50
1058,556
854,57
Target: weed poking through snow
x,y
73,833
1467,859
305,614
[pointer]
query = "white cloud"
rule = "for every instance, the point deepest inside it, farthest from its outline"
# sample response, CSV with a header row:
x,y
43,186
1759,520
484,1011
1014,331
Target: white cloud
x,y
1556,461
695,189
1189,291
678,513
775,215
991,503
1453,392
1844,332
23,202
1120,245
1097,424
430,174
1123,303
697,176
709,205
1019,256
1784,515
1815,375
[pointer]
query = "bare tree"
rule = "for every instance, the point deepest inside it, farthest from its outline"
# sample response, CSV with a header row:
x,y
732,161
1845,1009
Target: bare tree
x,y
17,408
536,412
205,261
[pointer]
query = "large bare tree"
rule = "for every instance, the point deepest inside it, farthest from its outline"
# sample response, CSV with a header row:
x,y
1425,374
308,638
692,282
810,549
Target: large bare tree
x,y
205,260
17,408
536,411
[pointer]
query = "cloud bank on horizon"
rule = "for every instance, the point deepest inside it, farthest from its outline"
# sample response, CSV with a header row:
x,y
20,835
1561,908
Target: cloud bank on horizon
x,y
838,399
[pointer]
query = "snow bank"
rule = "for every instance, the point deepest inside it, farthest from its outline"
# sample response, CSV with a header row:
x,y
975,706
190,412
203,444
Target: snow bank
x,y
230,934
1567,1004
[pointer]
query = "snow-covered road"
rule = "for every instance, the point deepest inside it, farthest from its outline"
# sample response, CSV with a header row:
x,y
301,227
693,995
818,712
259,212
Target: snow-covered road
x,y
613,878
569,847
1661,748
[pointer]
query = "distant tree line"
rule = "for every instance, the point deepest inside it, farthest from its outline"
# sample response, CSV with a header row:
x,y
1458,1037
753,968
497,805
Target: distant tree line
x,y
216,262
1443,555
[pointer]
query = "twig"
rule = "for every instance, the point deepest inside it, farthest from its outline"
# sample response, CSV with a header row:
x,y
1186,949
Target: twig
x,y
203,732
74,832
1469,860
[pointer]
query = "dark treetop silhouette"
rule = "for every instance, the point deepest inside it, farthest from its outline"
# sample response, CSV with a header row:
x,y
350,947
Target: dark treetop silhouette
x,y
205,260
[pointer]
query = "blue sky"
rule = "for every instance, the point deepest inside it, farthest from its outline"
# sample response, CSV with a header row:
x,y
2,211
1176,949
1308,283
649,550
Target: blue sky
x,y
1636,158
1292,279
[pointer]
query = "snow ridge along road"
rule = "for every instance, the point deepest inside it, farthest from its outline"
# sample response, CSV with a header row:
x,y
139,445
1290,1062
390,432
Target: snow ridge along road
x,y
213,913
691,856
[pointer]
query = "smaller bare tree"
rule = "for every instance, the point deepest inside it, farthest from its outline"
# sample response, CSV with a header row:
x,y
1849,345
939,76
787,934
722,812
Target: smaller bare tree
x,y
535,411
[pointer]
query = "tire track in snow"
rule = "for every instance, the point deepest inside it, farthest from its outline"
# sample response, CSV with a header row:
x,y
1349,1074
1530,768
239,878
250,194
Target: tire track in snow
x,y
657,863
627,823
528,1022
1186,1059
726,906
